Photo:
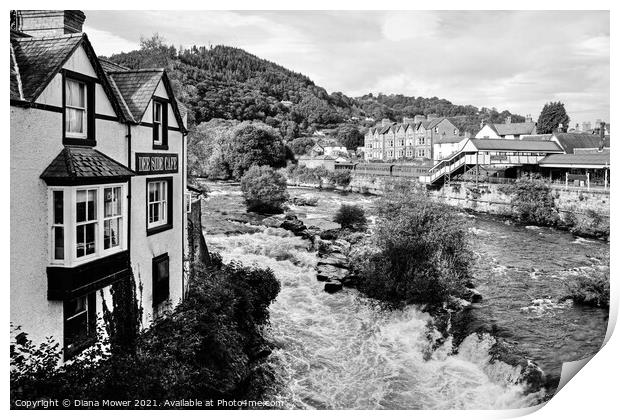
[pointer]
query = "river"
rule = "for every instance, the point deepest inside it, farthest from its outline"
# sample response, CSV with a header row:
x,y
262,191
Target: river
x,y
344,351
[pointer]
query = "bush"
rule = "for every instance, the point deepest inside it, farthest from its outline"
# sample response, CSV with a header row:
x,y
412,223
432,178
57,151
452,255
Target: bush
x,y
209,347
254,144
589,291
264,190
532,201
340,178
420,253
351,217
307,175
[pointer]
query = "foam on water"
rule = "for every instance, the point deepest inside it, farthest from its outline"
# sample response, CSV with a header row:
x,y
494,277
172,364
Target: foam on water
x,y
344,351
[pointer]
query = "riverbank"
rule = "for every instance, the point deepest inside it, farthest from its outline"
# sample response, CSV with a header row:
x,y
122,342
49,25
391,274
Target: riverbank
x,y
326,342
582,212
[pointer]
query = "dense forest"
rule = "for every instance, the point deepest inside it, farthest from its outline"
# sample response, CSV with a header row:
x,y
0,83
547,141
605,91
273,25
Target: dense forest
x,y
230,83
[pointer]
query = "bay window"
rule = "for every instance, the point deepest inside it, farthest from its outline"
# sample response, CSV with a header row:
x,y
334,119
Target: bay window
x,y
87,222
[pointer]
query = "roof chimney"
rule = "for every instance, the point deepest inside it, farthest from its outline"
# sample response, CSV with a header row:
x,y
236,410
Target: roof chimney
x,y
508,119
407,120
528,118
481,124
385,122
49,22
601,142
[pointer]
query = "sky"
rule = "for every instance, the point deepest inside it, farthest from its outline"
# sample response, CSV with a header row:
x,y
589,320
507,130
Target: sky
x,y
514,60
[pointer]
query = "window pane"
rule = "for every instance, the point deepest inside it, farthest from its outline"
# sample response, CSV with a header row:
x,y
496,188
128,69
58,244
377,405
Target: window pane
x,y
74,120
75,306
90,238
80,206
76,94
59,243
111,229
58,207
92,205
112,202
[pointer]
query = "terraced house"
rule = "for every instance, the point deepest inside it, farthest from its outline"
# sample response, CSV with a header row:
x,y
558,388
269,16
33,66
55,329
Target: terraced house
x,y
97,181
411,139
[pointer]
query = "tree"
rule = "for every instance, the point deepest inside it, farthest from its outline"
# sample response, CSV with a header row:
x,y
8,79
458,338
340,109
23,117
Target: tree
x,y
254,144
350,136
264,190
419,251
351,217
302,145
552,115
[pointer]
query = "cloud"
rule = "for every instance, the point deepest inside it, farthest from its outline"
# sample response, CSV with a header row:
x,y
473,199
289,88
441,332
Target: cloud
x,y
515,60
107,43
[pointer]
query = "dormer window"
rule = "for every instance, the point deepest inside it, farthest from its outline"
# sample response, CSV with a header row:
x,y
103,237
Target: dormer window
x,y
76,121
78,98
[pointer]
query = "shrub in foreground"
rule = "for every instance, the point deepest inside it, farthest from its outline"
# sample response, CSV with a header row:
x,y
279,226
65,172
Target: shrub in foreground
x,y
264,190
419,251
208,347
351,217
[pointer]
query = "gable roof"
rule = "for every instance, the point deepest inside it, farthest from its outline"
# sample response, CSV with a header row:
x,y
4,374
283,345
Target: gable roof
x,y
571,141
76,164
516,145
40,59
137,88
35,61
513,128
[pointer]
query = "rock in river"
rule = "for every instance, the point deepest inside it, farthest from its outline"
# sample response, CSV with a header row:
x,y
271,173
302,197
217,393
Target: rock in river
x,y
333,286
335,259
331,273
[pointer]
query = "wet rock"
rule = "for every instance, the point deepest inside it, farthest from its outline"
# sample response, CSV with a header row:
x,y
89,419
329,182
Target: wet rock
x,y
531,375
329,234
472,295
305,201
470,284
335,259
273,221
331,273
333,286
293,224
321,224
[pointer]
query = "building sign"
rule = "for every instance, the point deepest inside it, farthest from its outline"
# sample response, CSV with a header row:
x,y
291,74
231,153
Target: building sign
x,y
157,163
498,158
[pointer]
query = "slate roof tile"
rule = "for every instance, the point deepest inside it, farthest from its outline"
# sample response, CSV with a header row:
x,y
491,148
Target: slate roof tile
x,y
39,59
571,141
137,88
83,163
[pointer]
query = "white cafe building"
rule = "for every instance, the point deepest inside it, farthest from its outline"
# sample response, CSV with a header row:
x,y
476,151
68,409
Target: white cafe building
x,y
98,156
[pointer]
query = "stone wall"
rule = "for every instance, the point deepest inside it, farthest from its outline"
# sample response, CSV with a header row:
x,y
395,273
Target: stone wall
x,y
488,198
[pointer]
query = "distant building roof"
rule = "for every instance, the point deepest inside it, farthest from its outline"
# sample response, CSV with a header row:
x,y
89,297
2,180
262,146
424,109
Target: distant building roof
x,y
584,160
536,137
516,145
449,139
82,163
571,141
513,128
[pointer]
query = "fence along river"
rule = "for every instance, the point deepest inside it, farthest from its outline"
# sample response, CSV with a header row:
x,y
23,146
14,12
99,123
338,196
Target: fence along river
x,y
345,351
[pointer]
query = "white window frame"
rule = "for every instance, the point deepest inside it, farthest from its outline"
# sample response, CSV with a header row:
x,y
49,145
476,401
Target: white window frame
x,y
160,132
70,224
162,202
84,134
